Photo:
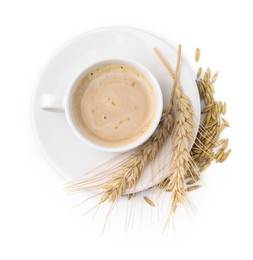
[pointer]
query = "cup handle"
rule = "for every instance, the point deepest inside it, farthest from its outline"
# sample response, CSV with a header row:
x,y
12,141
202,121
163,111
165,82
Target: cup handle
x,y
52,103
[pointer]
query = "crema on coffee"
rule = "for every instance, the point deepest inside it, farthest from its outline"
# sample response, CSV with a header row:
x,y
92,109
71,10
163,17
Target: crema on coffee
x,y
114,104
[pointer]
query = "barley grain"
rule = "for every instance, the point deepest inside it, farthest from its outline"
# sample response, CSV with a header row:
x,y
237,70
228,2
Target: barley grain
x,y
197,54
225,156
150,202
192,188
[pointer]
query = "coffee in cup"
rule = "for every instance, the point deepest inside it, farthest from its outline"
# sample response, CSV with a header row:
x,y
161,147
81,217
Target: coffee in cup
x,y
114,104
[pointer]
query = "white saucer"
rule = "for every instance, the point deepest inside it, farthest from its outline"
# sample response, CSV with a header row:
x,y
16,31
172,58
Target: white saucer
x,y
63,150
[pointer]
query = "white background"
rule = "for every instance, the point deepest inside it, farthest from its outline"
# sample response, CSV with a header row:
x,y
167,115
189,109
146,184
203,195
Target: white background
x,y
35,222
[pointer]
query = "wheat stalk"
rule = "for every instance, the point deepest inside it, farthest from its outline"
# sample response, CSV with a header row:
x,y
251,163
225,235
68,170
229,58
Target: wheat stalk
x,y
126,173
130,171
181,163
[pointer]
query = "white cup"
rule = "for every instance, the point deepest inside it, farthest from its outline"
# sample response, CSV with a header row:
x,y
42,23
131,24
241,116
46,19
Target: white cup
x,y
53,103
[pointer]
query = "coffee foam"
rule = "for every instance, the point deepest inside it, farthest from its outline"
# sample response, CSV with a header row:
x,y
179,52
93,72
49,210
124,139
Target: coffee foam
x,y
114,104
